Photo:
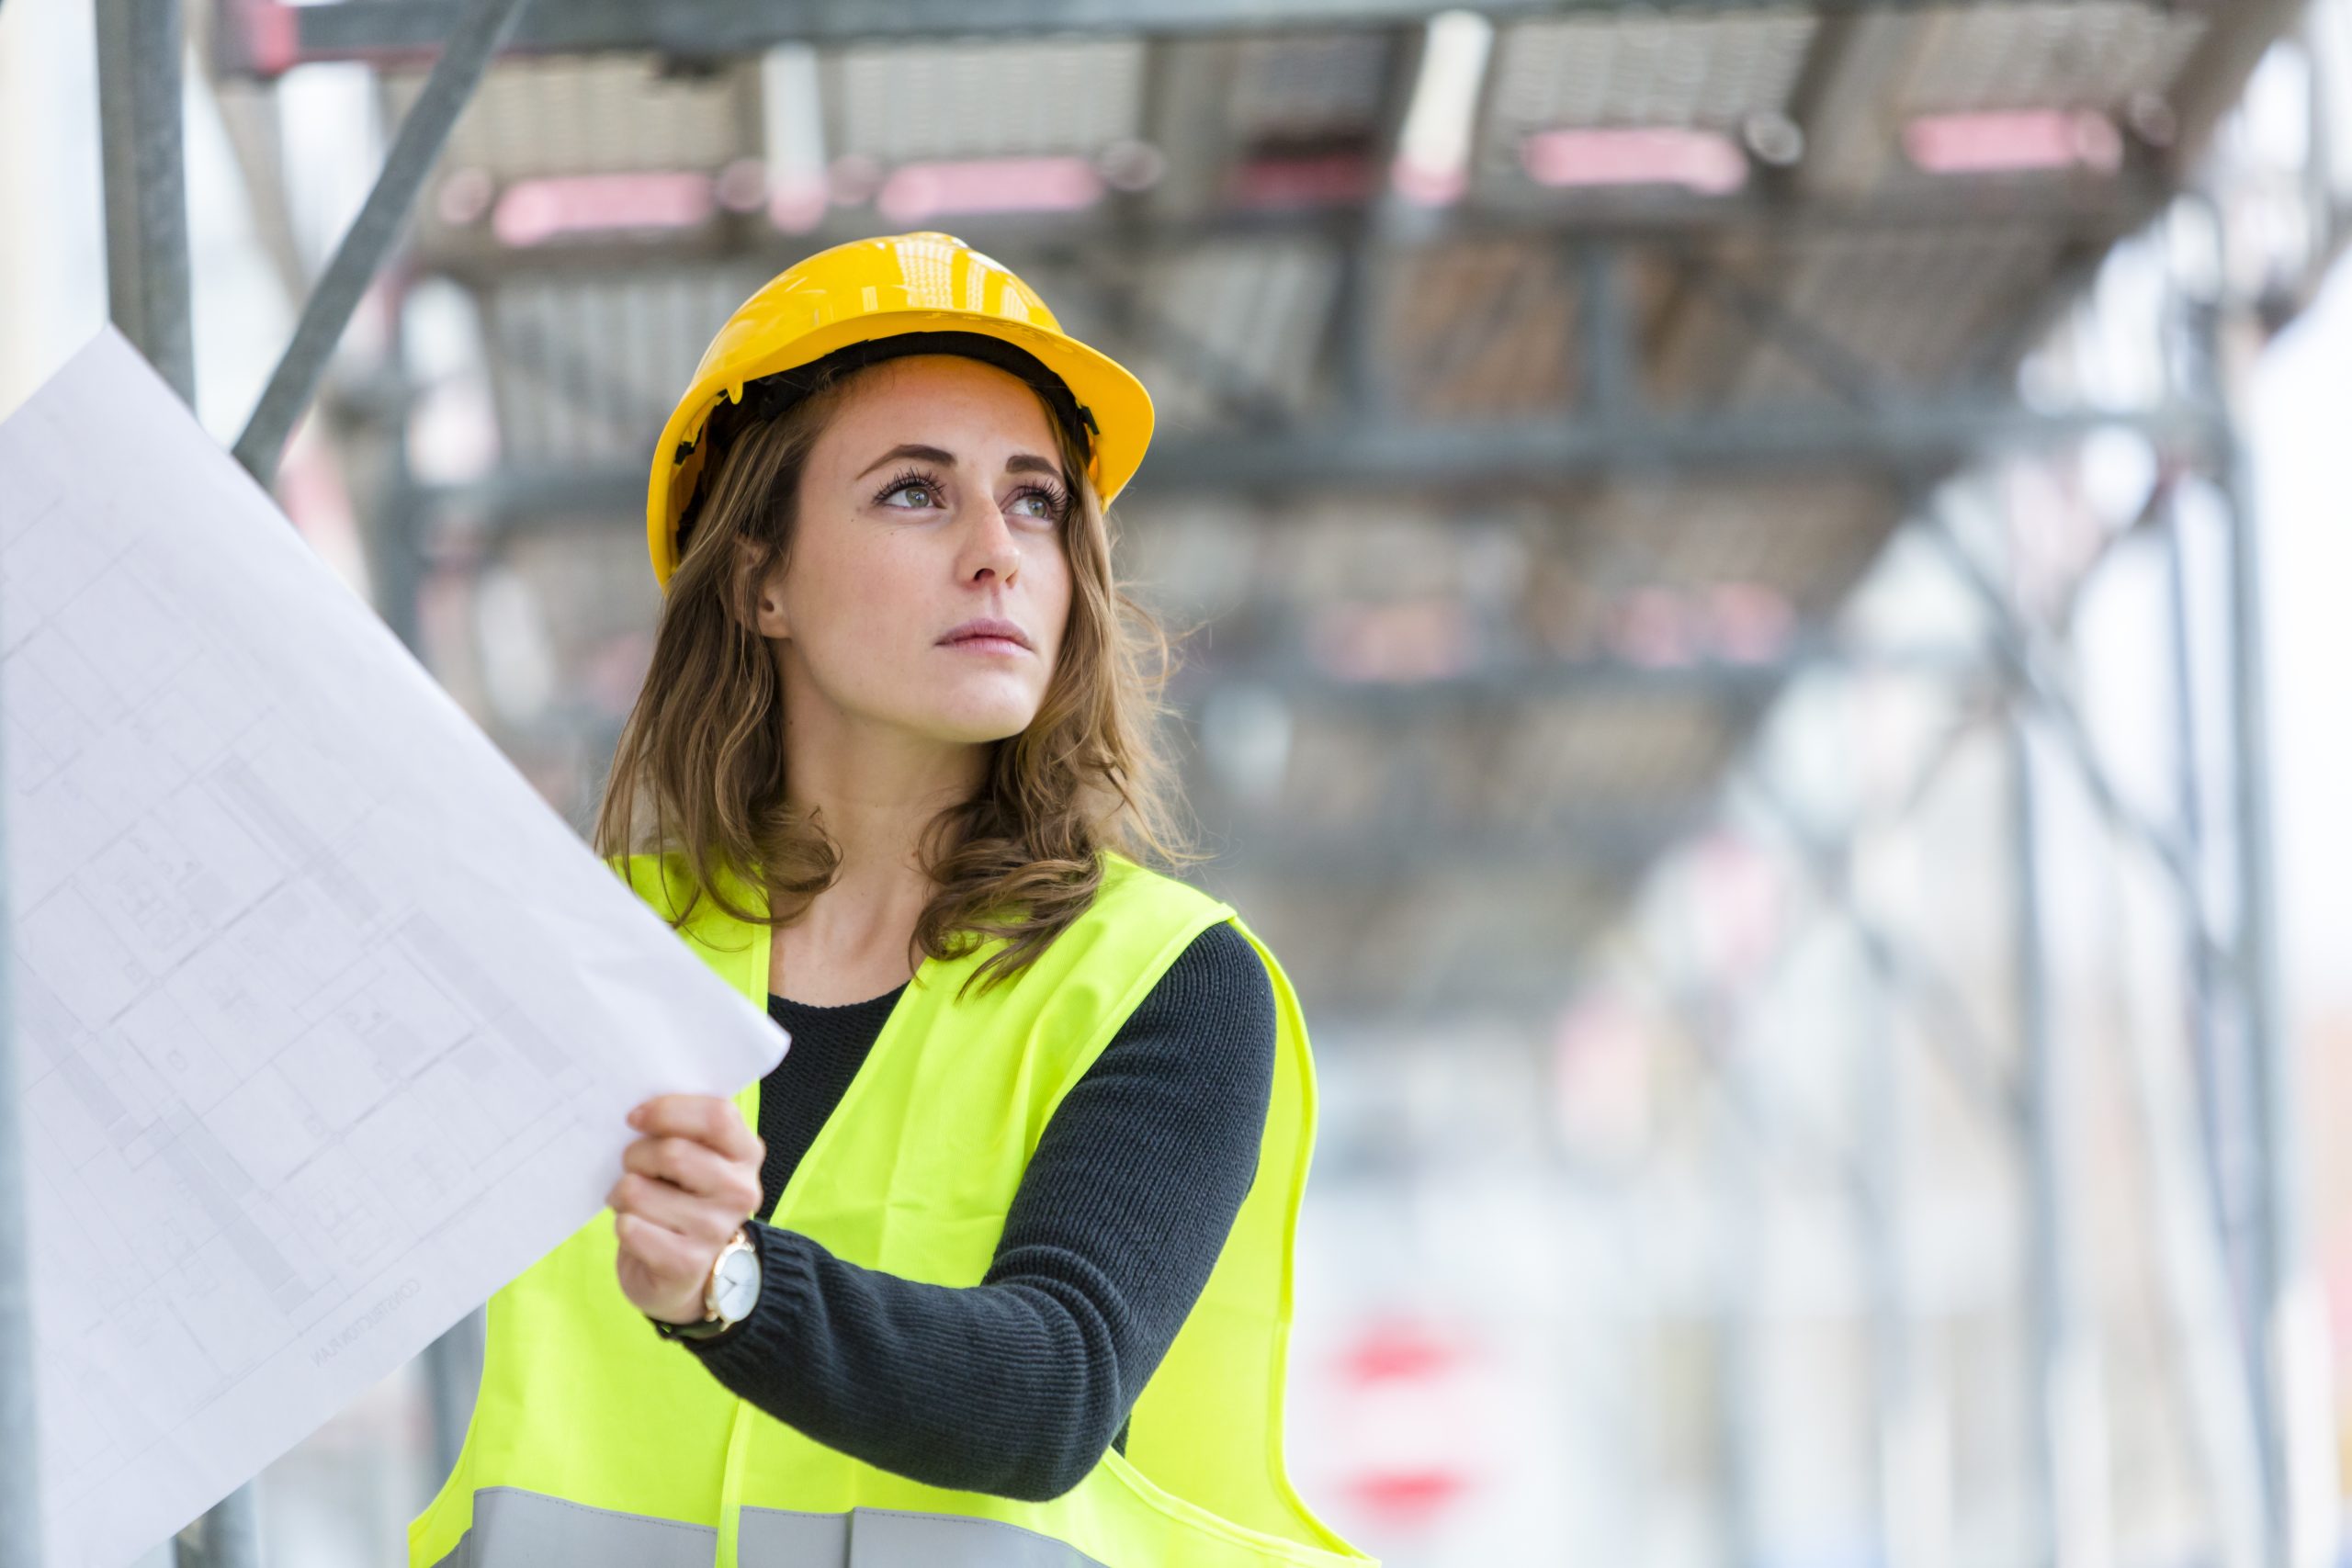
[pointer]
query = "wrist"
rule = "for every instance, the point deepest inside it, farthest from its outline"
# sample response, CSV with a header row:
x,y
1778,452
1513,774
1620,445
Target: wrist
x,y
730,1290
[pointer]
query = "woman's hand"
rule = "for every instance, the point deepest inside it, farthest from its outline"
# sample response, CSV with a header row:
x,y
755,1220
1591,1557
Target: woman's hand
x,y
686,1186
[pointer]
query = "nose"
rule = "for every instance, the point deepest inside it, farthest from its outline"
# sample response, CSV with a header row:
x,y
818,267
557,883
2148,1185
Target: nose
x,y
989,549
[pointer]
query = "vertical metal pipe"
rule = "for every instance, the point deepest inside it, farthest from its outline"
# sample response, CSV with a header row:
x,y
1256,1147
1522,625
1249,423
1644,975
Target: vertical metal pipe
x,y
2190,802
148,297
2202,1280
1354,369
396,545
146,192
451,1364
2046,1246
1881,1099
2303,1444
1608,386
1742,1144
1914,1523
147,285
2064,1381
2218,1034
229,1535
1740,1324
20,1528
452,1377
139,48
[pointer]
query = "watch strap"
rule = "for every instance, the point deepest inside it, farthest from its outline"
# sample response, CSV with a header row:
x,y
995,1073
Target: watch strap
x,y
708,1328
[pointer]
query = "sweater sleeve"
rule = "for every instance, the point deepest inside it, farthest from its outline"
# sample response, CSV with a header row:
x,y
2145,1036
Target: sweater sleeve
x,y
1016,1385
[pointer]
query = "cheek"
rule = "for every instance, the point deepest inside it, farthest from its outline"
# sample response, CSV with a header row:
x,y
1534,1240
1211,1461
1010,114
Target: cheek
x,y
1055,591
847,590
877,584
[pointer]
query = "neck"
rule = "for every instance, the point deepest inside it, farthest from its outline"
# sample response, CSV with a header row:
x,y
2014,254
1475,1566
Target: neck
x,y
875,789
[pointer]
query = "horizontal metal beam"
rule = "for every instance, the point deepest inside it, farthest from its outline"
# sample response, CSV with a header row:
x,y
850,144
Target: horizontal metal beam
x,y
1893,437
1510,682
1436,1002
274,37
1600,844
1896,439
2092,216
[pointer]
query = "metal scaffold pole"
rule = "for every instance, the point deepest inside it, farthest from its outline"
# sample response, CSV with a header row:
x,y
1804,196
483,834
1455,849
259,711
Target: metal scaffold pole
x,y
2064,1376
148,296
1913,1519
2286,1320
20,1438
146,185
2291,1314
2179,1103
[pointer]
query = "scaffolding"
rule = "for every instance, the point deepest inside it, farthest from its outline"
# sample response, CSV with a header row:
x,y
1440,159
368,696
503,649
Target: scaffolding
x,y
1799,372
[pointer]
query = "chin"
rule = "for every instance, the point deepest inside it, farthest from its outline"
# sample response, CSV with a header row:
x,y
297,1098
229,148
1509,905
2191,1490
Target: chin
x,y
980,723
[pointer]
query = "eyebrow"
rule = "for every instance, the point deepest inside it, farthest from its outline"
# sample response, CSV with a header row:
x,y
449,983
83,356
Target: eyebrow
x,y
1018,462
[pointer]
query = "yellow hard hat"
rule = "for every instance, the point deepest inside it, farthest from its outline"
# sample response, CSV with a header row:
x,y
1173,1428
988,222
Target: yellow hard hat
x,y
868,299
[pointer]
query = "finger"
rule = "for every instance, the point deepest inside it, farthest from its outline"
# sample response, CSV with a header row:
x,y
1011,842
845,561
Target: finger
x,y
682,1162
698,1219
705,1118
695,1168
672,1259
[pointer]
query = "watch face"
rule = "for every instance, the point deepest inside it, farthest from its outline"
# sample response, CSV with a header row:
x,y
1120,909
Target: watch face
x,y
737,1284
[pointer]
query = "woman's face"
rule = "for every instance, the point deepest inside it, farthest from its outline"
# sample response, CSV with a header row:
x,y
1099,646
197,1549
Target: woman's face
x,y
927,587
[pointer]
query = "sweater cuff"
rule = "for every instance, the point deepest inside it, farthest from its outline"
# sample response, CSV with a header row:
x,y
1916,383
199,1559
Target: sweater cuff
x,y
783,1285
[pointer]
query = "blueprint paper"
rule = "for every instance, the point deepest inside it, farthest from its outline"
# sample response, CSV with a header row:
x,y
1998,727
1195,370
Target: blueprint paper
x,y
326,1024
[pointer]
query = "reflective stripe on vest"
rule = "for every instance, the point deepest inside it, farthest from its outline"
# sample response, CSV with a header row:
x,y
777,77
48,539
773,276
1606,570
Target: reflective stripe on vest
x,y
514,1526
912,1174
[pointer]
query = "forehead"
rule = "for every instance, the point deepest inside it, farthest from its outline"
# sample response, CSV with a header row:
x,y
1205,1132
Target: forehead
x,y
943,399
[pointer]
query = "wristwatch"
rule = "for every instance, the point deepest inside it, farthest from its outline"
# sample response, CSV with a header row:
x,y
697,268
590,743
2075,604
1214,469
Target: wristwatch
x,y
729,1294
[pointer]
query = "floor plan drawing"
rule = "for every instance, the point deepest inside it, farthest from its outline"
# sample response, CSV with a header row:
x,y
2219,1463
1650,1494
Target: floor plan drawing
x,y
326,1022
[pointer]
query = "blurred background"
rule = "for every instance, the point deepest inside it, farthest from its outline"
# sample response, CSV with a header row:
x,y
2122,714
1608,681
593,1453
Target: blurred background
x,y
1765,587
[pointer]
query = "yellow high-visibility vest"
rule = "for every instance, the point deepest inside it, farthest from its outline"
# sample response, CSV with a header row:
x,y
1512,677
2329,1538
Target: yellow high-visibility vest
x,y
595,1444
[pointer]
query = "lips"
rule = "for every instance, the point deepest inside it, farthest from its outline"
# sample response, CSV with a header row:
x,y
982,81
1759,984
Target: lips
x,y
986,632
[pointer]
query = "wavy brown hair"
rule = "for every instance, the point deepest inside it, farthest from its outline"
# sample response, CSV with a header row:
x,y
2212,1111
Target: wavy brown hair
x,y
698,771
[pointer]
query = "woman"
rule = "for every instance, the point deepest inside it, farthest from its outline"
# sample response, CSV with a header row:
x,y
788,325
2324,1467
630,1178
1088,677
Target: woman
x,y
995,1267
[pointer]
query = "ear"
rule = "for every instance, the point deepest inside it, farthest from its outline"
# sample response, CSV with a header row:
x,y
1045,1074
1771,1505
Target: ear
x,y
767,568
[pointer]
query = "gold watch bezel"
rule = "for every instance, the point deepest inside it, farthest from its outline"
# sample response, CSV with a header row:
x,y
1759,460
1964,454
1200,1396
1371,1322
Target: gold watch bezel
x,y
739,1242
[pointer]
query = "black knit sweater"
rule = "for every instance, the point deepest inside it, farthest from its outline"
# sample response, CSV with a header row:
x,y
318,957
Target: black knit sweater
x,y
1016,1385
